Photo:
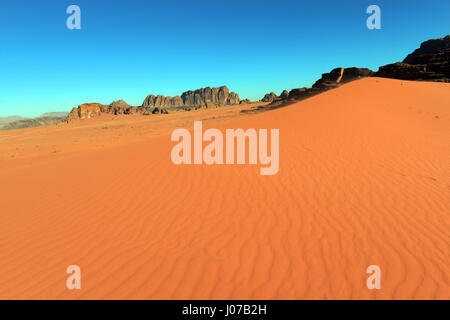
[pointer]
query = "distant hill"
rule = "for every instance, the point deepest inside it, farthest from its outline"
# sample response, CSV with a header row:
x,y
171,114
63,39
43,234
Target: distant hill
x,y
5,120
28,123
54,114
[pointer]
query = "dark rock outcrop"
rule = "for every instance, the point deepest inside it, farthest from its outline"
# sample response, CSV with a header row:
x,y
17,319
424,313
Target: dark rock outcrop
x,y
351,74
302,93
400,70
428,47
340,76
270,97
431,62
333,79
284,94
427,67
161,111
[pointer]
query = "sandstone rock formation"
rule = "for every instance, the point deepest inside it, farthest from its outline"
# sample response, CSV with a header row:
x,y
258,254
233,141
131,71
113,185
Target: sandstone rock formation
x,y
200,98
87,111
429,47
91,110
119,107
270,97
284,94
431,62
160,101
301,93
333,79
158,110
340,76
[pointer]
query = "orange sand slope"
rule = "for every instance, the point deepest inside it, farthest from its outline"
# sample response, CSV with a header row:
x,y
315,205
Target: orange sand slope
x,y
364,179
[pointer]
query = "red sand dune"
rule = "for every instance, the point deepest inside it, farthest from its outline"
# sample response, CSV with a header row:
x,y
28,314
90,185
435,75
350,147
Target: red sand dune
x,y
364,179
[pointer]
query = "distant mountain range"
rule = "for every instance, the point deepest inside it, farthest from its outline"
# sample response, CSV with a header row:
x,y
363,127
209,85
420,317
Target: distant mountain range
x,y
54,114
5,120
18,122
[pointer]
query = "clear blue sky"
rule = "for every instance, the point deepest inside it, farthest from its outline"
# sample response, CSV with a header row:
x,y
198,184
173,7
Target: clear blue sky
x,y
129,49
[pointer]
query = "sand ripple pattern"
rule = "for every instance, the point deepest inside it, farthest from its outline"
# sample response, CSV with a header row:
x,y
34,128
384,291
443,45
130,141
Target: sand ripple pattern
x,y
364,179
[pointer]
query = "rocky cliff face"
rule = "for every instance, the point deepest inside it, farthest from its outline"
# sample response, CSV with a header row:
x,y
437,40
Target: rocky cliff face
x,y
340,76
431,62
92,110
200,98
333,79
87,111
428,47
160,101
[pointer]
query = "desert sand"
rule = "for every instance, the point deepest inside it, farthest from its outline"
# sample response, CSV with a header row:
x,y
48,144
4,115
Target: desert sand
x,y
364,179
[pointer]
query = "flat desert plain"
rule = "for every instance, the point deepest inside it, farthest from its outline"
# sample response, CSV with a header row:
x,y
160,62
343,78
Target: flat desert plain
x,y
364,179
